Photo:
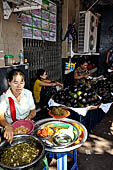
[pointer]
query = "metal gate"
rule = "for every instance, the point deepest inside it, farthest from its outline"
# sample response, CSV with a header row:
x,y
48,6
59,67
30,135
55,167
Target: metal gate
x,y
45,54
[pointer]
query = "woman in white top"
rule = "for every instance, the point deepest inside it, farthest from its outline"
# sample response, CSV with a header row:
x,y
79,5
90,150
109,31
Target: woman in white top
x,y
16,103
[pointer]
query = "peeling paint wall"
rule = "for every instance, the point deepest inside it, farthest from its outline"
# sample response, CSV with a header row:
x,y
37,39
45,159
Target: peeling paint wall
x,y
10,36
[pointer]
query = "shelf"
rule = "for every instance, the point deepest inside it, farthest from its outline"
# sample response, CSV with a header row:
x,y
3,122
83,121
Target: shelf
x,y
86,54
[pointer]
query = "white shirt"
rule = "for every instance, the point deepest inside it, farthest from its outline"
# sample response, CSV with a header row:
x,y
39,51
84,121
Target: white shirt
x,y
22,108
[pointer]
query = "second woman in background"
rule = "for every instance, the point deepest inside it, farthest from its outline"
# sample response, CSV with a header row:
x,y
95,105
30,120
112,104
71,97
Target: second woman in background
x,y
81,72
43,89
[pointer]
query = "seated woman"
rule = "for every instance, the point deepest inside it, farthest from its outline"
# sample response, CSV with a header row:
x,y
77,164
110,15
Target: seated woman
x,y
43,89
81,72
16,103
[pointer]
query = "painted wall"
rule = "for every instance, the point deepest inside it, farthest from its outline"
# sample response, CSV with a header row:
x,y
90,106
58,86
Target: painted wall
x,y
10,36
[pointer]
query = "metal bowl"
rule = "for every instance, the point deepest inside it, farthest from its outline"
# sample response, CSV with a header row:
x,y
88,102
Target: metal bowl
x,y
43,138
62,140
59,123
21,139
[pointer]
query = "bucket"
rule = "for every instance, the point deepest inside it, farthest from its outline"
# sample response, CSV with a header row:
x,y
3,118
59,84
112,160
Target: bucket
x,y
8,60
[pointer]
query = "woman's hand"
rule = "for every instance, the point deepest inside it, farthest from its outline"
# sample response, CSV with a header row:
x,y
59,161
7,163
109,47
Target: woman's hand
x,y
8,134
86,75
59,84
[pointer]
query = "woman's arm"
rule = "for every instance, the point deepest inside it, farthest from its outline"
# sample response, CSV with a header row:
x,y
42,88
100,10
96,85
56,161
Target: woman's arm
x,y
32,114
8,134
50,84
42,83
47,81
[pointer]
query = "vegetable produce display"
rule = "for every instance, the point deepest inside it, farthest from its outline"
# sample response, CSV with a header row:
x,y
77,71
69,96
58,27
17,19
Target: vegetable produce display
x,y
20,154
104,89
84,95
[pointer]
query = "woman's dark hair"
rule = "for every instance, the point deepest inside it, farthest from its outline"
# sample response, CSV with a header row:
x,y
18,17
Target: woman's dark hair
x,y
82,60
15,72
40,72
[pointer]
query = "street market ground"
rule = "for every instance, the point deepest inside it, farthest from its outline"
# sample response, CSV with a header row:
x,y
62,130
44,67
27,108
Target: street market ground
x,y
97,151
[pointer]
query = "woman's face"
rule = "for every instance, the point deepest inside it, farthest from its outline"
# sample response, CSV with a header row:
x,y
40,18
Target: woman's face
x,y
44,76
17,84
84,66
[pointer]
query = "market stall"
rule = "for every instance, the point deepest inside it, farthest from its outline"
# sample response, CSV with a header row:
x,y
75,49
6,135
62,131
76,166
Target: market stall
x,y
88,102
29,146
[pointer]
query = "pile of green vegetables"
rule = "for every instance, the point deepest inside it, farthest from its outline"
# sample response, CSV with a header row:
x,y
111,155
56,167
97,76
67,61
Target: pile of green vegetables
x,y
20,154
59,111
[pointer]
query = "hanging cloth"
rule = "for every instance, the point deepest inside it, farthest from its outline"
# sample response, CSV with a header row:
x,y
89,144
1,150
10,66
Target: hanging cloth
x,y
71,31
